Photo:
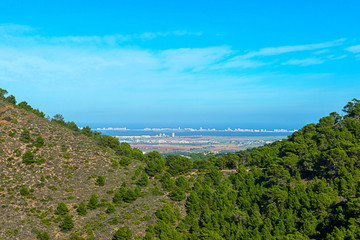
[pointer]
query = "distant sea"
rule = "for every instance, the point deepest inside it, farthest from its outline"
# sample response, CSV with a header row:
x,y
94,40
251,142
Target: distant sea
x,y
193,133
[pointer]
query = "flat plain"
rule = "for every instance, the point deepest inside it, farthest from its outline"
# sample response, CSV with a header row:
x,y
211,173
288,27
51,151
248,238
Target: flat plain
x,y
197,144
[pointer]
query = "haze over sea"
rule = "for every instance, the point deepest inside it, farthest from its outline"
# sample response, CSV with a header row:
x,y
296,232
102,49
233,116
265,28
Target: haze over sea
x,y
194,133
205,125
186,131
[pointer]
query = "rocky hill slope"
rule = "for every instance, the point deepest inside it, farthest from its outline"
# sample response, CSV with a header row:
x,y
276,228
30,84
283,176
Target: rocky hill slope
x,y
43,164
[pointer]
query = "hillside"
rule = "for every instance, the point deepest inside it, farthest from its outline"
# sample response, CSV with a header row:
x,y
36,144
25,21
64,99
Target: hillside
x,y
65,169
304,187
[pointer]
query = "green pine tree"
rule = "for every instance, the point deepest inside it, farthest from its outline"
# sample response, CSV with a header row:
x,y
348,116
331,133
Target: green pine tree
x,y
67,224
124,233
82,209
61,209
144,180
110,208
39,142
93,201
28,157
100,181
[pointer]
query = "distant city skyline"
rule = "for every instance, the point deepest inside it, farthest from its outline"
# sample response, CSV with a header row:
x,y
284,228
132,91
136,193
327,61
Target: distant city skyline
x,y
200,129
270,64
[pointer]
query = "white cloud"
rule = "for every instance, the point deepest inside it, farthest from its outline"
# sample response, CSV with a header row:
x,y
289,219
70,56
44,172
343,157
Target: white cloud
x,y
247,60
333,57
15,29
239,62
322,51
353,49
270,51
12,33
193,59
304,62
26,55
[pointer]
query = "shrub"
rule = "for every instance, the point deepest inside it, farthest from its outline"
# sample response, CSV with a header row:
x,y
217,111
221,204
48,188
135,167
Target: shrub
x,y
118,197
12,132
129,196
67,224
125,161
24,191
93,201
17,152
183,184
124,233
167,182
28,157
155,166
110,208
110,191
39,142
177,194
61,209
82,210
40,160
43,236
67,155
143,181
114,221
178,164
25,136
100,181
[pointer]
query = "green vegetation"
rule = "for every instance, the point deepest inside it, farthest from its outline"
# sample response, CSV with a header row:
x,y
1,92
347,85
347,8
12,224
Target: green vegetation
x,y
39,142
28,157
125,161
43,236
119,194
143,181
82,209
155,164
100,181
124,233
304,187
24,191
67,224
93,202
110,208
25,136
178,164
293,189
61,209
129,196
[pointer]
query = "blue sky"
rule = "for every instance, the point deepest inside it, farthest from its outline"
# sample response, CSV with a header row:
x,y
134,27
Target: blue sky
x,y
243,64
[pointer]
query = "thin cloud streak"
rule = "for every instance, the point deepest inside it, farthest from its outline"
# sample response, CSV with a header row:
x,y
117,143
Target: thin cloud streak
x,y
271,51
119,38
248,61
353,49
11,33
304,62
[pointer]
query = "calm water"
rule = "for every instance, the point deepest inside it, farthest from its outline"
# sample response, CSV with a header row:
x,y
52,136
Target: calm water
x,y
194,133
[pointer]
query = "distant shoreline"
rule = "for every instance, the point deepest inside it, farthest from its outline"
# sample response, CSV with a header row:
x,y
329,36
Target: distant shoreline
x,y
198,130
